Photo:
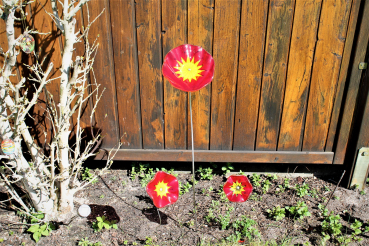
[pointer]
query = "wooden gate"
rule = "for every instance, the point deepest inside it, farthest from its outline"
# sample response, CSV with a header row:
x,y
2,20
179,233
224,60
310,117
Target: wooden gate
x,y
281,69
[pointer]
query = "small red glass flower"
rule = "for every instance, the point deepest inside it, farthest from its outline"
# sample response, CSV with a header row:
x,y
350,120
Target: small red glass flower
x,y
188,67
237,188
163,189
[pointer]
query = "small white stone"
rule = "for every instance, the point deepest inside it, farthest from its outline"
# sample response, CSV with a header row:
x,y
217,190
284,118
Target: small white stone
x,y
84,210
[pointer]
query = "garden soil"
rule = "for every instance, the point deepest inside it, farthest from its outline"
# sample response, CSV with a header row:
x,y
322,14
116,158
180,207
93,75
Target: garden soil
x,y
120,198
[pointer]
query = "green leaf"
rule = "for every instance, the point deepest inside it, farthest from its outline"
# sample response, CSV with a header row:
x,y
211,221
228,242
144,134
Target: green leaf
x,y
99,219
34,228
36,236
43,227
45,233
107,226
100,225
115,226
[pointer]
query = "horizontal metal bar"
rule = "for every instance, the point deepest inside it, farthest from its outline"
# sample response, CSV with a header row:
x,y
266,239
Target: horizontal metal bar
x,y
221,156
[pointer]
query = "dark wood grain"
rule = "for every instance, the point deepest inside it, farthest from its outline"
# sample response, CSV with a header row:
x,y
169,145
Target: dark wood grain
x,y
200,32
222,156
148,25
47,47
123,22
174,27
327,61
337,108
225,53
305,25
353,87
250,67
274,72
106,116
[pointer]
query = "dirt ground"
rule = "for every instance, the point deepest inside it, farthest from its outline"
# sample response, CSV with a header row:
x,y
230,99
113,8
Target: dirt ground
x,y
138,223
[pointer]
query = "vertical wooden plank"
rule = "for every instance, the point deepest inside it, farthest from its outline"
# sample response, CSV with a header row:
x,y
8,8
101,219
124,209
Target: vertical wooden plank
x,y
85,120
148,23
47,47
353,88
250,67
225,53
343,74
174,26
327,62
200,32
22,57
300,60
106,117
274,73
126,72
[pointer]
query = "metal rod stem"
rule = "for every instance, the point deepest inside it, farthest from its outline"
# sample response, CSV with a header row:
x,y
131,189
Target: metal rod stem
x,y
159,215
193,164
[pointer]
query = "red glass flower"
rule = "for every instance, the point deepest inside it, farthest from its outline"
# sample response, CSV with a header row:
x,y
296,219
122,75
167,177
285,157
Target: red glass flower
x,y
237,188
188,67
163,189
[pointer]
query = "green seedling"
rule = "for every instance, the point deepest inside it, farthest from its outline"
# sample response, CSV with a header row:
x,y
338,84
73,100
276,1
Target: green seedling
x,y
266,186
326,188
299,211
302,190
362,192
244,228
323,210
277,213
256,180
332,225
101,196
185,188
86,242
227,168
225,220
314,193
143,172
102,222
272,176
149,241
205,173
39,230
255,197
88,175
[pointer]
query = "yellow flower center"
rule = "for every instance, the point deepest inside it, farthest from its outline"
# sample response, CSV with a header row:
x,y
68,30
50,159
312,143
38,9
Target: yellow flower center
x,y
162,189
237,188
189,69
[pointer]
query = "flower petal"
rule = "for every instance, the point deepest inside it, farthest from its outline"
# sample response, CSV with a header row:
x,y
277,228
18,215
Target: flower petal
x,y
170,197
246,188
192,52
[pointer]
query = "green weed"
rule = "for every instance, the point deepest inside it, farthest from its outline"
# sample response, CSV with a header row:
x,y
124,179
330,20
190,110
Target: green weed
x,y
277,213
206,173
299,211
302,190
88,175
102,222
227,168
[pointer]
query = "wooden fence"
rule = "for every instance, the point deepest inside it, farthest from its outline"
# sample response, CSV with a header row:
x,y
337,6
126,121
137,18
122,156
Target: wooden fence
x,y
281,69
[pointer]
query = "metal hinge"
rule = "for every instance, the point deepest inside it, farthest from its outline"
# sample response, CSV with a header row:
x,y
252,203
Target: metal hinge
x,y
361,169
363,65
